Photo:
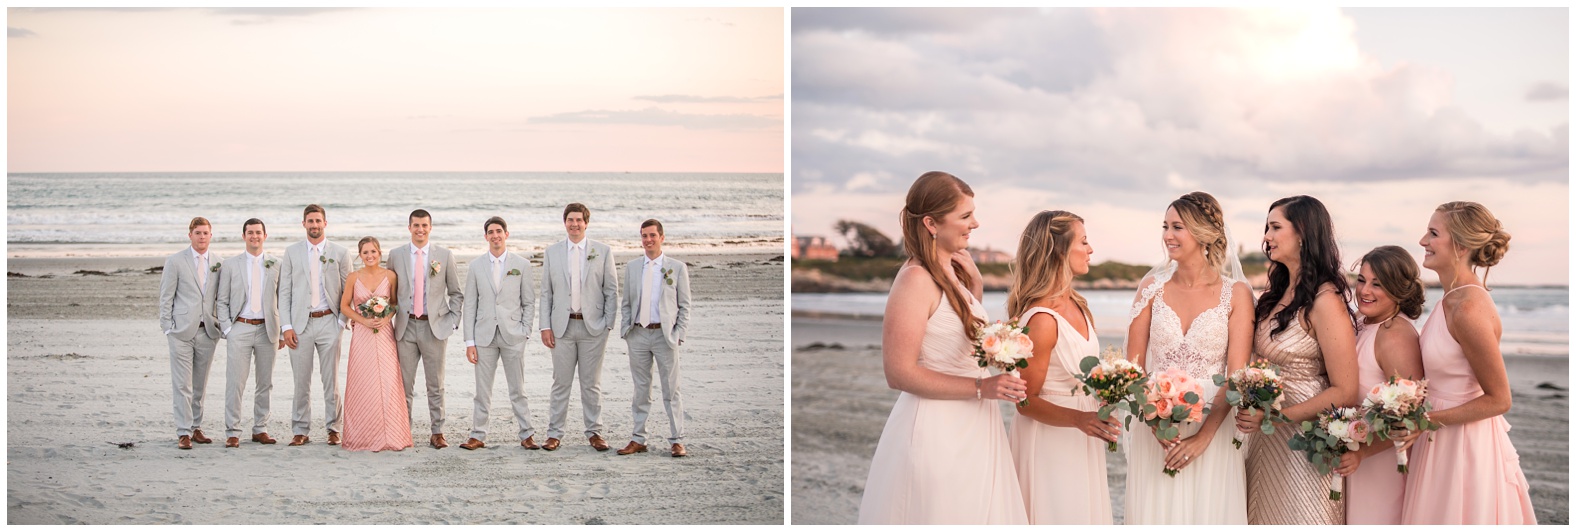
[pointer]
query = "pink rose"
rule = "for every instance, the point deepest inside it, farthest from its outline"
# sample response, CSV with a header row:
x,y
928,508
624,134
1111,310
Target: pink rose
x,y
377,308
1025,345
991,344
1358,430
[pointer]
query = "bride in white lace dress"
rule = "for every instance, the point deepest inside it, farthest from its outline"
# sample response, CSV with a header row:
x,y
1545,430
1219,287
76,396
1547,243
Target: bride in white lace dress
x,y
1195,313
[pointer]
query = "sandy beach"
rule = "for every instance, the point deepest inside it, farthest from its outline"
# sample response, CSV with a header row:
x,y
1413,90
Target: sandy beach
x,y
841,402
88,368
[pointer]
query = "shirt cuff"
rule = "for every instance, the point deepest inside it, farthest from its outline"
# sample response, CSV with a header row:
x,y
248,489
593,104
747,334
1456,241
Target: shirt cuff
x,y
470,343
285,327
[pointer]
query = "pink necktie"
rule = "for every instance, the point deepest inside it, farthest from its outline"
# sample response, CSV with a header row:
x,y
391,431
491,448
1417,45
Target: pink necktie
x,y
317,277
421,285
257,286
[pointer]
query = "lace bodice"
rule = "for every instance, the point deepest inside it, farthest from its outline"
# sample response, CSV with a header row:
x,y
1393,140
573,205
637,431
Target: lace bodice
x,y
1201,350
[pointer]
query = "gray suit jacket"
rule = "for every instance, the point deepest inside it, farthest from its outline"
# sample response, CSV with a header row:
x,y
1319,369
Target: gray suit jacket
x,y
674,309
295,281
231,295
598,288
444,293
182,304
510,312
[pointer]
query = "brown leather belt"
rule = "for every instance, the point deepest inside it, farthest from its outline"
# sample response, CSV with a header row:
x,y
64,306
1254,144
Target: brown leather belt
x,y
249,321
422,317
576,316
321,313
650,325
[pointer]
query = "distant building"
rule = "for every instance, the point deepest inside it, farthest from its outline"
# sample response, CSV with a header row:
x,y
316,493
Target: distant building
x,y
988,255
814,248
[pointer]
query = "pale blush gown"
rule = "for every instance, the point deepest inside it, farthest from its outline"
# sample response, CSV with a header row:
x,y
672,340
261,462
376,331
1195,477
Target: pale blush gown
x,y
375,416
1212,490
1373,492
1283,487
943,461
1060,469
1468,473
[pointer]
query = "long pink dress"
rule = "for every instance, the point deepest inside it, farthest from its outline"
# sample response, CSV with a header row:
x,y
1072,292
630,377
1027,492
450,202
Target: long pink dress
x,y
375,416
1373,492
1060,469
943,461
1467,473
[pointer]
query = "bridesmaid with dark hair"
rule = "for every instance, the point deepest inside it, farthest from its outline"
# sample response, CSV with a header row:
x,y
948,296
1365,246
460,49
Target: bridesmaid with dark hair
x,y
1304,324
1389,296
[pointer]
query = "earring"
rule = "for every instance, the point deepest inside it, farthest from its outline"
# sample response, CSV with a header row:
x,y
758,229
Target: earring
x,y
932,236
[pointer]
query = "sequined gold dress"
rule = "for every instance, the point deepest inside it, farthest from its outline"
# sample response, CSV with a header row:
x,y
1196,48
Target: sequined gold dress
x,y
1283,487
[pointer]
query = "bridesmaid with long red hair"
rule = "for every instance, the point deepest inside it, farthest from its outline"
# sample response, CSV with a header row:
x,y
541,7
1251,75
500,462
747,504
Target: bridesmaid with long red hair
x,y
1466,473
943,457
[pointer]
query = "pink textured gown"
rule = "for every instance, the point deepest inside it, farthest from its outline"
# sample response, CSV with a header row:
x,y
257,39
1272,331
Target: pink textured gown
x,y
943,461
1467,473
1060,469
1373,492
375,416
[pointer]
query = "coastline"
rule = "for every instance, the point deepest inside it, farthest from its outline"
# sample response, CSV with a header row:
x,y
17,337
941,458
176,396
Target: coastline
x,y
88,368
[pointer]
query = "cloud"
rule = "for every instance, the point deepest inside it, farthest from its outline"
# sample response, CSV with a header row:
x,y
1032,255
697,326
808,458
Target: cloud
x,y
1092,101
686,98
18,33
1545,91
652,116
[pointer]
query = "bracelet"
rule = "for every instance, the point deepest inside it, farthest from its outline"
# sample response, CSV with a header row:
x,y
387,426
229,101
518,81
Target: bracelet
x,y
977,388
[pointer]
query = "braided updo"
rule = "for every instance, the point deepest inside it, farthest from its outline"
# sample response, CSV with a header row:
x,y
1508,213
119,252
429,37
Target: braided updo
x,y
1202,215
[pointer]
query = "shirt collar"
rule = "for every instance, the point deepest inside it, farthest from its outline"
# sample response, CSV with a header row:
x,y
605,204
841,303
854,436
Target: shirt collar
x,y
251,257
318,247
580,244
498,258
197,255
658,260
424,250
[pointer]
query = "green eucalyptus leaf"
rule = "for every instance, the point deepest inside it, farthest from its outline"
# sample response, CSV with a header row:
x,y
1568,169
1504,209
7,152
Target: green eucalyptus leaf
x,y
1088,363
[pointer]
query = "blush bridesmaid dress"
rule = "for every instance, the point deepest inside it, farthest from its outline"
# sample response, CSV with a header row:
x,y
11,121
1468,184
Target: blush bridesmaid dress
x,y
375,415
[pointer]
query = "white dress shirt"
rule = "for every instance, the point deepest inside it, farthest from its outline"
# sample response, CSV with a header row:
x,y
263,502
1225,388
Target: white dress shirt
x,y
651,292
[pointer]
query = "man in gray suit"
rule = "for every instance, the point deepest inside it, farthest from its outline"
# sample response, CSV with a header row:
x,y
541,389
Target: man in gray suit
x,y
248,314
311,281
186,295
656,315
578,306
500,306
429,312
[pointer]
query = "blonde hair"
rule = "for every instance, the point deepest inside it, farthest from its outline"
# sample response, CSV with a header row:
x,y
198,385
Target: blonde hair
x,y
1473,228
1201,214
1041,268
934,195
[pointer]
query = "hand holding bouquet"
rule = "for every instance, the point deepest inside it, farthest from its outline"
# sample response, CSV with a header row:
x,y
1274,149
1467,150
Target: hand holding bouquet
x,y
1395,405
1116,381
1171,398
1335,432
376,307
1005,346
1256,386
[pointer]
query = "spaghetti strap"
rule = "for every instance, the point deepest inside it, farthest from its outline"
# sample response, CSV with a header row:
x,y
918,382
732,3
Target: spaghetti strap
x,y
1460,287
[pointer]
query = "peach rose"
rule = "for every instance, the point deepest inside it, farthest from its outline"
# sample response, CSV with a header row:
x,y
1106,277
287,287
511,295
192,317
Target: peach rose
x,y
991,344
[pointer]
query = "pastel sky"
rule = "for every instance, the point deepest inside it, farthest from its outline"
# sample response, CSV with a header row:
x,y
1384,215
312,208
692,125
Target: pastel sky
x,y
318,89
1383,114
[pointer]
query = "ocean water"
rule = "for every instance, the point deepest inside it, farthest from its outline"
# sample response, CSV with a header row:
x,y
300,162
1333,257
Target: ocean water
x,y
146,214
1535,320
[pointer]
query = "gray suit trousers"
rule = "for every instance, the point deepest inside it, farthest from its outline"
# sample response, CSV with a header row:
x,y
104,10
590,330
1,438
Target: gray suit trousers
x,y
487,361
189,364
646,345
419,345
578,350
247,345
319,335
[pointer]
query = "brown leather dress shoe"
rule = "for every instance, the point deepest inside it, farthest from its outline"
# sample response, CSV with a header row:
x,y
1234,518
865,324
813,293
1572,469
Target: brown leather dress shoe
x,y
632,448
678,451
529,443
598,443
551,445
197,437
299,440
184,443
262,437
232,442
437,441
472,444
333,438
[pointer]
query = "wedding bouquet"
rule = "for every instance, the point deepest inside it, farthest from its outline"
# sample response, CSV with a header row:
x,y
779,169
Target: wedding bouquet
x,y
1394,405
1171,398
1257,386
1116,381
376,307
1005,346
1335,432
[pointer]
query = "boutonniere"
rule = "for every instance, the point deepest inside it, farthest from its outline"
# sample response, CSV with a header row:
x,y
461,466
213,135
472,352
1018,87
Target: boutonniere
x,y
434,268
515,271
324,259
591,255
268,263
215,267
667,276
